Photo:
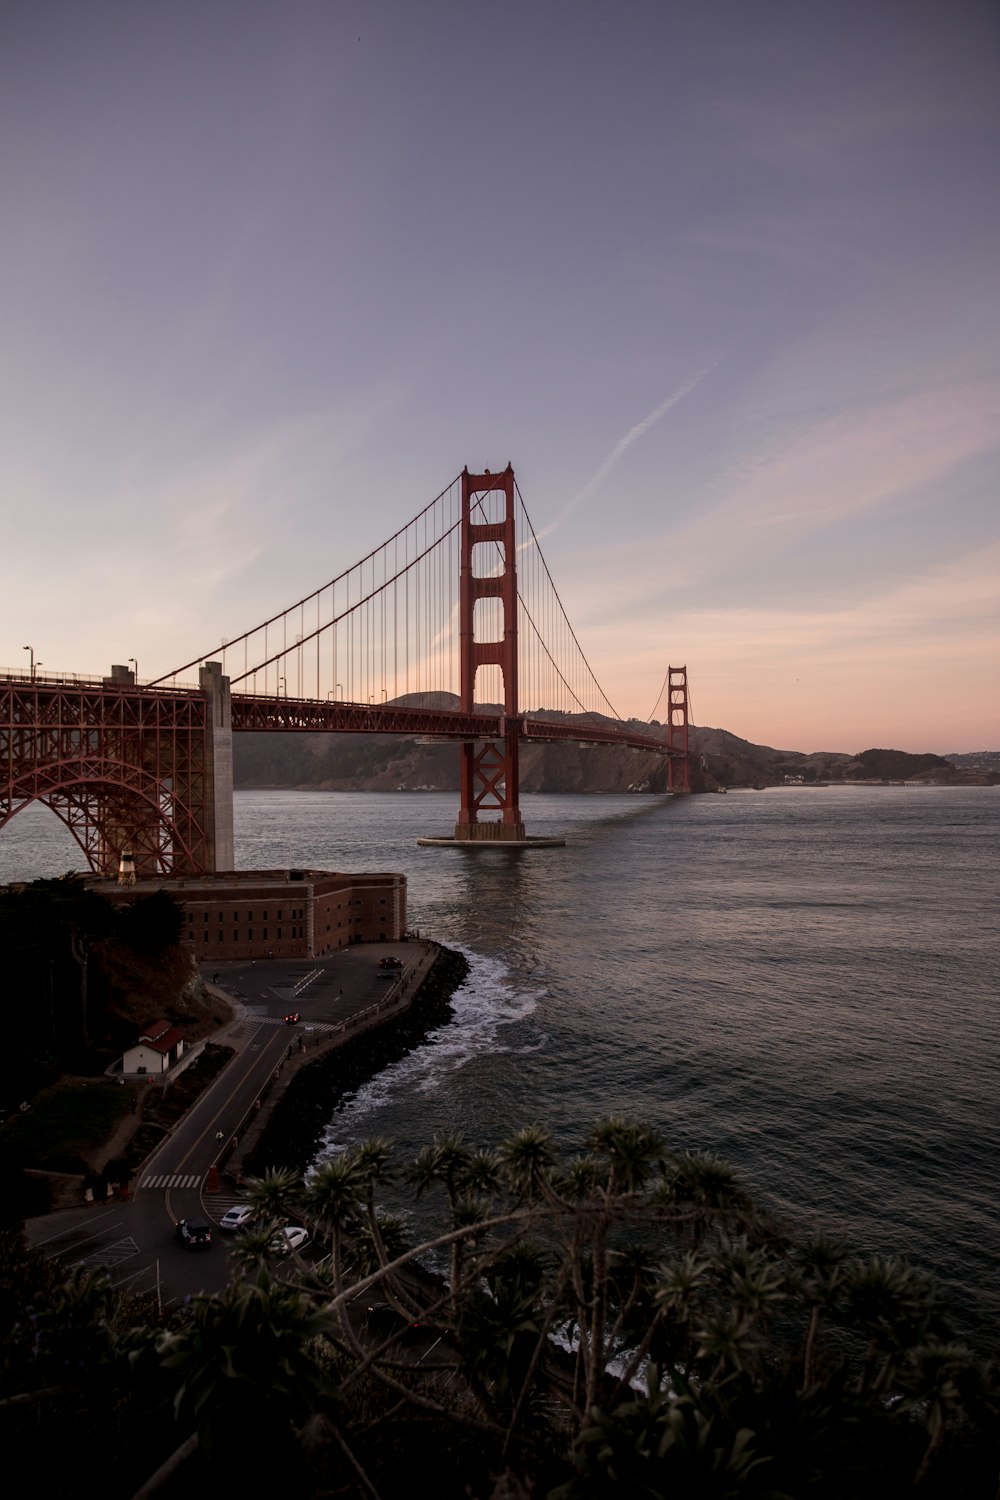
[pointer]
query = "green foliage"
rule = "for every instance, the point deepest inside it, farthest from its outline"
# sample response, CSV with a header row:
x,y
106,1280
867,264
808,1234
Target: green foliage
x,y
895,765
773,1369
243,1359
67,1118
60,942
151,924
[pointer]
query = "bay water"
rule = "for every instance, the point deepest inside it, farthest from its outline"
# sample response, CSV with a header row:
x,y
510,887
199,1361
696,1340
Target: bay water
x,y
803,980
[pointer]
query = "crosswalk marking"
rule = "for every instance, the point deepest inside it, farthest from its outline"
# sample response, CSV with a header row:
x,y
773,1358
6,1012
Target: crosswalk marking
x,y
111,1255
315,1025
172,1180
313,974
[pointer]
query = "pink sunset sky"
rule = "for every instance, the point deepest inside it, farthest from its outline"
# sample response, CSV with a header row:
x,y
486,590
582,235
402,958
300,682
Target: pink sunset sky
x,y
721,280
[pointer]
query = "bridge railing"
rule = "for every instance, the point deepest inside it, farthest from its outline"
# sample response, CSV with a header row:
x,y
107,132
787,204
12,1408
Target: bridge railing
x,y
41,678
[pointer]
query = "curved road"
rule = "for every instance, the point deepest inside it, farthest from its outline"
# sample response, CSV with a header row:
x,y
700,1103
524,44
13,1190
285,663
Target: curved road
x,y
135,1240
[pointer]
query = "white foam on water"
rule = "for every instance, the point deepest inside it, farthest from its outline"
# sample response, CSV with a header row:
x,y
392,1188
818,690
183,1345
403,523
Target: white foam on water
x,y
485,1002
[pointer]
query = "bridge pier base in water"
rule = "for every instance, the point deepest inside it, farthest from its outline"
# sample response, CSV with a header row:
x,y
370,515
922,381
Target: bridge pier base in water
x,y
482,839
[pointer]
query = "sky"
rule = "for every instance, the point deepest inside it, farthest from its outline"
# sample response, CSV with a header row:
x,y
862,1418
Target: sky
x,y
720,279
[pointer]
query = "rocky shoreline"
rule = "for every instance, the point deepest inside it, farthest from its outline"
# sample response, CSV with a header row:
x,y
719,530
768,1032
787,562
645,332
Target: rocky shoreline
x,y
299,1118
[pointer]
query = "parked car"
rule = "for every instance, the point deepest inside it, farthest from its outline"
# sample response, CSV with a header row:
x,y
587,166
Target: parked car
x,y
292,1237
390,963
235,1218
194,1234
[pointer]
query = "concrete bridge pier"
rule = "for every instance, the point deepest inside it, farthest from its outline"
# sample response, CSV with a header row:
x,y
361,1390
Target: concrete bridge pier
x,y
220,851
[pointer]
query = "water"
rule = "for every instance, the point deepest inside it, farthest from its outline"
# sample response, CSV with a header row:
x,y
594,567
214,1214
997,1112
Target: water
x,y
802,980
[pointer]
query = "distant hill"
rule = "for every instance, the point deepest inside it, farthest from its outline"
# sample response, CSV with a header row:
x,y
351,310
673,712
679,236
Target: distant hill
x,y
390,763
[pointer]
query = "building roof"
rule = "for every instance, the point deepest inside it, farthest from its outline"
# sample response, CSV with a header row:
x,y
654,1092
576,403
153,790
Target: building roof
x,y
161,1036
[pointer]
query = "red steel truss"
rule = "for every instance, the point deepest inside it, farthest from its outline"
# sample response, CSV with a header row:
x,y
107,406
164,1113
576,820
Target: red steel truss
x,y
305,715
123,767
149,769
677,729
489,772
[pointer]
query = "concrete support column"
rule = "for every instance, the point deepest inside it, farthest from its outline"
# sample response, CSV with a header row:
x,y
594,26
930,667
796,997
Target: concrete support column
x,y
219,846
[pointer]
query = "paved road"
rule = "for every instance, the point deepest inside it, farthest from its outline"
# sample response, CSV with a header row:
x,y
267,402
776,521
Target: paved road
x,y
134,1241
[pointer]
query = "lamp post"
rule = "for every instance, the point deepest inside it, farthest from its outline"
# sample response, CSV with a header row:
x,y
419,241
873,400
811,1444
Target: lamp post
x,y
31,652
135,672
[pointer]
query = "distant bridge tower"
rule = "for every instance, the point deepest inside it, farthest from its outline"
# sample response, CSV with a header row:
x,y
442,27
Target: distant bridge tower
x,y
677,729
489,771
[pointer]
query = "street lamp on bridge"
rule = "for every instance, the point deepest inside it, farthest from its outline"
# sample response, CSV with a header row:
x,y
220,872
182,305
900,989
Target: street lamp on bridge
x,y
135,673
31,652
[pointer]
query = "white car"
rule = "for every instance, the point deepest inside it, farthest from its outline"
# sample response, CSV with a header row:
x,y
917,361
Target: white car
x,y
236,1218
292,1237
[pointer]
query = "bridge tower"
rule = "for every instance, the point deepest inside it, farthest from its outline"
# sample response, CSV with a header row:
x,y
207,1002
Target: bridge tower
x,y
489,771
677,729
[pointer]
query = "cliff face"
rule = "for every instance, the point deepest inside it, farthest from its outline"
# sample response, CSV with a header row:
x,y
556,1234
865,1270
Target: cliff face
x,y
390,763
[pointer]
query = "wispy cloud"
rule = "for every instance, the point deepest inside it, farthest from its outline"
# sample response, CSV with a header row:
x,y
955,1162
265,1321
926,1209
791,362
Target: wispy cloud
x,y
774,673
623,445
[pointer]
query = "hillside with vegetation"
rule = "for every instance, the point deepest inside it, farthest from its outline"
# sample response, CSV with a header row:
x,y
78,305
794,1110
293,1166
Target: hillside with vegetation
x,y
87,975
391,763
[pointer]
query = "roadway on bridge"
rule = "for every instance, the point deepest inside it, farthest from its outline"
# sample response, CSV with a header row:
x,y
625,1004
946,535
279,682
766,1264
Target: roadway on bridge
x,y
134,1240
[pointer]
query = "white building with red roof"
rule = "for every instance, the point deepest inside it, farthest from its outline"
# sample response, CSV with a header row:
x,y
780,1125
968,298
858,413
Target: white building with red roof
x,y
159,1047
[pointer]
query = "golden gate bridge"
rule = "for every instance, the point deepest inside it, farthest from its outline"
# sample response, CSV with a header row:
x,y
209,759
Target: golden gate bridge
x,y
457,604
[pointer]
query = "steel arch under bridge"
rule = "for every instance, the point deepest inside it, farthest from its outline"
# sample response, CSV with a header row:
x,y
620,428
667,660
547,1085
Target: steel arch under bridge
x,y
146,770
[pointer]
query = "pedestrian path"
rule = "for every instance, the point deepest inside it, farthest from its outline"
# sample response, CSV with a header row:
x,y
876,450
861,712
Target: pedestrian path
x,y
173,1180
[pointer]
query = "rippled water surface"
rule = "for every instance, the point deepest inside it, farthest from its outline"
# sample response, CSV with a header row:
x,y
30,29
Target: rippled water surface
x,y
805,981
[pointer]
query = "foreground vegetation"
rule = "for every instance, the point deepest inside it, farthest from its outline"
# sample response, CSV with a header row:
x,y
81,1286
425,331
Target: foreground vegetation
x,y
625,1322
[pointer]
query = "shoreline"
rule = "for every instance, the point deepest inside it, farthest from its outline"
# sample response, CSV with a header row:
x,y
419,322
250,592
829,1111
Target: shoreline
x,y
291,1131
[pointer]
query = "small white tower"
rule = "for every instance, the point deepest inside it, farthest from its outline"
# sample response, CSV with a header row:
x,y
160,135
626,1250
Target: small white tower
x,y
126,868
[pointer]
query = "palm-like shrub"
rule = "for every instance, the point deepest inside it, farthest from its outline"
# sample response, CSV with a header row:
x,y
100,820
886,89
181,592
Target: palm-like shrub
x,y
772,1367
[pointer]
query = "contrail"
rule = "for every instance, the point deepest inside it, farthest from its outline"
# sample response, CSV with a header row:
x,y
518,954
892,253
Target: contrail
x,y
623,444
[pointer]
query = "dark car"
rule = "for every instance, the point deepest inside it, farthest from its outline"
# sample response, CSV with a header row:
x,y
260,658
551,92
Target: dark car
x,y
292,1017
194,1234
390,963
382,1320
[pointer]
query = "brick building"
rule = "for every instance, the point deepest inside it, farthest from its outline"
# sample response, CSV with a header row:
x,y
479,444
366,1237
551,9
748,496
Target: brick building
x,y
279,913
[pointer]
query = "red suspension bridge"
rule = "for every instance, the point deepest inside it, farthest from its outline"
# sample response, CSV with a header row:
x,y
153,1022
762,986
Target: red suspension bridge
x,y
458,603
